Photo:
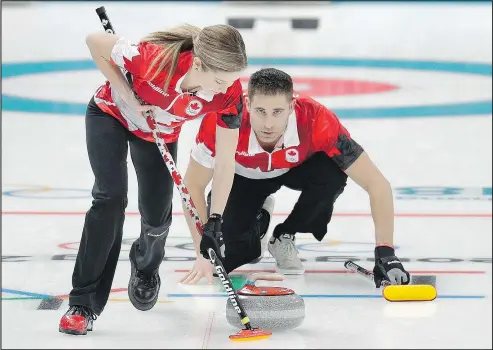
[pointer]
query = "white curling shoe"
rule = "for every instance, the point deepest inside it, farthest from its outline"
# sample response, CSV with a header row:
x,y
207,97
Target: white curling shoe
x,y
284,251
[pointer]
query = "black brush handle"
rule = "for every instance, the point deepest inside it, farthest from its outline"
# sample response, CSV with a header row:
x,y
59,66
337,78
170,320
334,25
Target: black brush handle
x,y
363,272
105,21
108,28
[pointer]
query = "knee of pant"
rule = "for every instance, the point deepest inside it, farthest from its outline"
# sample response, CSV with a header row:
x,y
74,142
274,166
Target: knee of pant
x,y
339,192
239,234
238,240
331,190
111,201
157,215
243,254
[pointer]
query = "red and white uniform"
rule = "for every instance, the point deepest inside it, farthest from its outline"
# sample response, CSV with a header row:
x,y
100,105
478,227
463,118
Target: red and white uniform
x,y
173,107
311,128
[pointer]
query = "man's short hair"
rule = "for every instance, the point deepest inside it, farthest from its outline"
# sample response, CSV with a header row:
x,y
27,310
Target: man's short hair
x,y
270,81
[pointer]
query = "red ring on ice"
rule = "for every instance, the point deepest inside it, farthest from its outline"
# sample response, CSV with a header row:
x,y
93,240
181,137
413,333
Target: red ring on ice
x,y
324,87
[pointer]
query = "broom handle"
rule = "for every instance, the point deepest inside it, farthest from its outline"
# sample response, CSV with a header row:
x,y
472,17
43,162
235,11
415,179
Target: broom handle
x,y
363,272
175,174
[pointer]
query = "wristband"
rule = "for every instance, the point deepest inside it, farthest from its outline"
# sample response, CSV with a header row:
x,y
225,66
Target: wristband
x,y
386,245
215,217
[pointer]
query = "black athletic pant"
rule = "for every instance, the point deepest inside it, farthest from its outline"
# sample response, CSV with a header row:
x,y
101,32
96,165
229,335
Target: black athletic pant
x,y
320,181
107,146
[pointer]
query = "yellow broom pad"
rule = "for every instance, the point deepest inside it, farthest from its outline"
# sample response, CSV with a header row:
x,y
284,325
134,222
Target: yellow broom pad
x,y
412,292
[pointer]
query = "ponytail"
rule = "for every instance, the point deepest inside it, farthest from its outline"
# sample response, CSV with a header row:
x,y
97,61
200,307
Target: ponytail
x,y
174,41
219,47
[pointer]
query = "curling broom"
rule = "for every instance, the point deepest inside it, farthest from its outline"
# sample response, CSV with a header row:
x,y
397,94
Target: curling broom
x,y
409,292
249,333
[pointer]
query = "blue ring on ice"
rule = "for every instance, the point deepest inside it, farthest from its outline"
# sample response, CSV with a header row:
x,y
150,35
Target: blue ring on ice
x,y
474,108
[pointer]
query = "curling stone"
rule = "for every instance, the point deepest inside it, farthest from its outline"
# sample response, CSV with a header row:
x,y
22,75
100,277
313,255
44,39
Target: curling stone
x,y
268,307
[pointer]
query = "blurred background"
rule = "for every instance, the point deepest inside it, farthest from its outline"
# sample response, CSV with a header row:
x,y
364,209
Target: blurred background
x,y
410,80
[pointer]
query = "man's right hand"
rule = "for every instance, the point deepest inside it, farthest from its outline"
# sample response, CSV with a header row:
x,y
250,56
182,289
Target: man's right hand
x,y
201,268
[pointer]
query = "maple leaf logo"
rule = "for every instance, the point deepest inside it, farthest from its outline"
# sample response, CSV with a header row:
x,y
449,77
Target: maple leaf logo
x,y
194,107
292,155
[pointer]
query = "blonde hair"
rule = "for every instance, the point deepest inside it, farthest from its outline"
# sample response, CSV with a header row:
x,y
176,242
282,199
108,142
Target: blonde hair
x,y
219,47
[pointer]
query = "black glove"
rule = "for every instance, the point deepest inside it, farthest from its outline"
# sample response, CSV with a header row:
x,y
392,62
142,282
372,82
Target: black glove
x,y
212,237
388,267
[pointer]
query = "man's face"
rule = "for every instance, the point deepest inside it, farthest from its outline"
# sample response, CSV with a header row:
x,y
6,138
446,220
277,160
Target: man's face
x,y
269,115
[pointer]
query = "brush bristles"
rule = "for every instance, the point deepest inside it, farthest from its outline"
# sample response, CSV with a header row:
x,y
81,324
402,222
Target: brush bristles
x,y
250,334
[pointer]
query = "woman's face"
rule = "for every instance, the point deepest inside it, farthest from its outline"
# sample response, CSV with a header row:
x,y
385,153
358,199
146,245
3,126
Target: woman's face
x,y
214,81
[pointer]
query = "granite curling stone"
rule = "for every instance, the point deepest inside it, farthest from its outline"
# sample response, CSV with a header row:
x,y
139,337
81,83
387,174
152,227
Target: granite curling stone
x,y
272,308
